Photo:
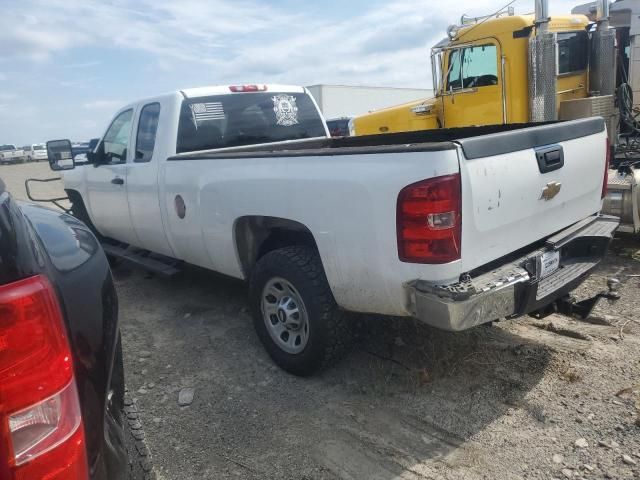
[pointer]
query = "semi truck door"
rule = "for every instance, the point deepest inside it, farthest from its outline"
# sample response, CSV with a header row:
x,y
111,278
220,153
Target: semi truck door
x,y
107,182
473,86
142,180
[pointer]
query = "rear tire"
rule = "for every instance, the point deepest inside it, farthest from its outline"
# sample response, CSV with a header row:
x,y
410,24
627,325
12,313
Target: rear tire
x,y
294,312
125,410
140,462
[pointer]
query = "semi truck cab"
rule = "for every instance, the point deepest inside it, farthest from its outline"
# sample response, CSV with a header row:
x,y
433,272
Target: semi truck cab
x,y
486,72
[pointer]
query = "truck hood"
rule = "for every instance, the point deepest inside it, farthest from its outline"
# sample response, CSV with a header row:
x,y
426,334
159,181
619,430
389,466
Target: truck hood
x,y
420,114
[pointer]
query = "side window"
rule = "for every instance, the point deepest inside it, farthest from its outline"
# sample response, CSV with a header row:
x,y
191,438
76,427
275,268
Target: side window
x,y
475,66
572,52
117,138
147,129
454,77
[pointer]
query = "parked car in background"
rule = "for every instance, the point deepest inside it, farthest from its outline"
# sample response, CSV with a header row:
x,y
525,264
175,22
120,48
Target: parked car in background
x,y
440,226
63,412
339,127
35,152
10,154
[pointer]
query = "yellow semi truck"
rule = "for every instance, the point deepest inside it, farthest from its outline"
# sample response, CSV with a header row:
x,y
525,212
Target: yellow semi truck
x,y
518,69
507,68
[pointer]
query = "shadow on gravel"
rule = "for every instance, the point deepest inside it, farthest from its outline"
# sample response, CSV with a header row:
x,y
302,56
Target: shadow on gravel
x,y
403,404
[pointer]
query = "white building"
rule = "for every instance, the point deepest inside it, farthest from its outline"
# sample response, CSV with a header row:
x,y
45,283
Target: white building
x,y
347,101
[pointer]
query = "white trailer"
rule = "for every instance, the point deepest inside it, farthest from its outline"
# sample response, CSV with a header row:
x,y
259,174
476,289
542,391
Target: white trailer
x,y
347,101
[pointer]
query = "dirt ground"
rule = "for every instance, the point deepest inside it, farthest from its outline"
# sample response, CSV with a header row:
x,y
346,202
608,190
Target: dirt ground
x,y
520,399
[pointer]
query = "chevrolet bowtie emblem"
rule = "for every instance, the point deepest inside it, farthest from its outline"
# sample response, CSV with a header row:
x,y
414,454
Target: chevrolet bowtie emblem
x,y
551,190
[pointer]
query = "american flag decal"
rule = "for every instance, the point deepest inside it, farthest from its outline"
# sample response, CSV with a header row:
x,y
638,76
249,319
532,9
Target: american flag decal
x,y
207,111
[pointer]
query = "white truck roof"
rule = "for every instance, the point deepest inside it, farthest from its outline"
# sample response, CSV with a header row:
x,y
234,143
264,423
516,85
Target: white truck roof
x,y
210,90
224,89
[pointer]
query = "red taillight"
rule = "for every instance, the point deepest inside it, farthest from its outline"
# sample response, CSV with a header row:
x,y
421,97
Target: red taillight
x,y
607,162
429,220
41,431
248,88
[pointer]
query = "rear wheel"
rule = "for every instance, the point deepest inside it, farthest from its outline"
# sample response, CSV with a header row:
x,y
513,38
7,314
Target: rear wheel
x,y
294,312
140,465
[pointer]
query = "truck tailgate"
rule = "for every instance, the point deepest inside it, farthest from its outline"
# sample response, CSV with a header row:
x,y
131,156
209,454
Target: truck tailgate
x,y
521,186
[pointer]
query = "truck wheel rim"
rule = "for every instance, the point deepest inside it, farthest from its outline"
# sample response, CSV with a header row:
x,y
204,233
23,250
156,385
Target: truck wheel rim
x,y
285,315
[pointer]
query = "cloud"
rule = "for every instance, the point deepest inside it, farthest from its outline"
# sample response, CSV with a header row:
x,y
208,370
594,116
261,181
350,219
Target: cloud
x,y
93,63
141,47
77,82
104,104
7,96
248,39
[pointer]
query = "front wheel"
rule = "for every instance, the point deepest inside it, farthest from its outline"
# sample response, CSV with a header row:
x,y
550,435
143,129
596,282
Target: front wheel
x,y
294,312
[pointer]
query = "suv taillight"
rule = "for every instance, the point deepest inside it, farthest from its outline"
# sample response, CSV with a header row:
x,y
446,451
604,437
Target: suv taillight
x,y
41,430
429,220
607,162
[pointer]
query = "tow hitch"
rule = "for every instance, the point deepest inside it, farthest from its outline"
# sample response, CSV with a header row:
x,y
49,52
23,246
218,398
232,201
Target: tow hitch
x,y
570,306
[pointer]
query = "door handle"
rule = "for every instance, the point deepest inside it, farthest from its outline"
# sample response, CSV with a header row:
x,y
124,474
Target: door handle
x,y
117,181
550,158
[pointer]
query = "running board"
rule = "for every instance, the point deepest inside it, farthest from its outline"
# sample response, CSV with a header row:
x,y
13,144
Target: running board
x,y
158,264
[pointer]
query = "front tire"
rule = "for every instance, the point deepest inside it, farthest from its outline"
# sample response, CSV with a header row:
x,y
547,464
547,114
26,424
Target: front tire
x,y
294,312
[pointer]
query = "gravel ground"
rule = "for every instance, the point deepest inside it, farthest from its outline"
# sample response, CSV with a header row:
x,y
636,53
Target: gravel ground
x,y
522,399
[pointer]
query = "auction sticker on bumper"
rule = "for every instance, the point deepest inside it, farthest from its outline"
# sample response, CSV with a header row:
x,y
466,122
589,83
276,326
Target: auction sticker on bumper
x,y
549,263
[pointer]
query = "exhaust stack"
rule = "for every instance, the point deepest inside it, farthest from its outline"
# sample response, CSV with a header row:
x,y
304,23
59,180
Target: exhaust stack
x,y
602,62
542,14
602,11
542,68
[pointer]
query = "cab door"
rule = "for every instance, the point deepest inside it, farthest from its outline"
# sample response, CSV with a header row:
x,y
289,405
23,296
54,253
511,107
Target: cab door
x,y
143,190
107,181
473,90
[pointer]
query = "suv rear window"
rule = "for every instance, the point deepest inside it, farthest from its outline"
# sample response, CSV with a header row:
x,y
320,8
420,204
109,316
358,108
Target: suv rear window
x,y
235,120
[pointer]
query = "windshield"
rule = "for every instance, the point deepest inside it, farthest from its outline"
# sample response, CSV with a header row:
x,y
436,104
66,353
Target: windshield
x,y
6,148
474,66
246,119
38,147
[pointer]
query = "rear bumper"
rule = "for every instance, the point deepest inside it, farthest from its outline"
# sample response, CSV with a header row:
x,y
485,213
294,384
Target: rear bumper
x,y
513,287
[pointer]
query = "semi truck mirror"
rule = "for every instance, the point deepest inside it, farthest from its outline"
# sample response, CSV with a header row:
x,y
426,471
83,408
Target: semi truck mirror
x,y
60,155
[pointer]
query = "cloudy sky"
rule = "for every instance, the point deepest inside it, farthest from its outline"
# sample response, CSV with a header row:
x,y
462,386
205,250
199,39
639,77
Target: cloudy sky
x,y
67,65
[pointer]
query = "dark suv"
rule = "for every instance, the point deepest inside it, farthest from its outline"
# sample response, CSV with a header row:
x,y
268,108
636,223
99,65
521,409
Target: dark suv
x,y
63,412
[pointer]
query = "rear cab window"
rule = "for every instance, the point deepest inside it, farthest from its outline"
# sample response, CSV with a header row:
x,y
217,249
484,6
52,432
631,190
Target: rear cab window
x,y
147,129
234,120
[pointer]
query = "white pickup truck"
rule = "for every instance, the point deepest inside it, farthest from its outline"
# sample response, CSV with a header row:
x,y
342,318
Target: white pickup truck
x,y
11,154
454,227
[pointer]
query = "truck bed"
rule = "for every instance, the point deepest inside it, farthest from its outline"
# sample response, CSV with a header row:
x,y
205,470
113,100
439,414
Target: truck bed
x,y
475,141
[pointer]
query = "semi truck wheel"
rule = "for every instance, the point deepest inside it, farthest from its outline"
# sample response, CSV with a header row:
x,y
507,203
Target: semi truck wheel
x,y
294,312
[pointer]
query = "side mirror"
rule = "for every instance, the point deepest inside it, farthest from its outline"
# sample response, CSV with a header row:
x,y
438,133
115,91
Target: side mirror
x,y
95,155
60,155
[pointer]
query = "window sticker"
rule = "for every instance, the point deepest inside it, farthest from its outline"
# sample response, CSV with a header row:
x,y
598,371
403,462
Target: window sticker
x,y
206,111
286,110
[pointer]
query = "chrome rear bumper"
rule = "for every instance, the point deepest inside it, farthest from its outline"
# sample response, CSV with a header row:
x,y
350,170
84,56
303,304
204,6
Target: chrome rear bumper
x,y
513,288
